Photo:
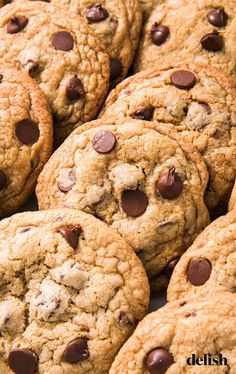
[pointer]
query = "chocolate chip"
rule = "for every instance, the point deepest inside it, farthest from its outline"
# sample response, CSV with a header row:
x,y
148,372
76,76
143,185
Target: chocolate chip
x,y
16,24
116,69
75,89
159,33
183,79
212,42
63,41
76,351
145,114
27,131
169,268
67,184
199,271
134,203
104,141
96,13
3,180
159,360
71,235
1,78
218,17
22,361
170,185
206,107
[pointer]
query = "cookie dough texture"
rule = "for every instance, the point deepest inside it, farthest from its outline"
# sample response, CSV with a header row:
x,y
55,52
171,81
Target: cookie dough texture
x,y
187,23
120,187
182,328
232,200
204,113
208,266
64,276
25,137
62,54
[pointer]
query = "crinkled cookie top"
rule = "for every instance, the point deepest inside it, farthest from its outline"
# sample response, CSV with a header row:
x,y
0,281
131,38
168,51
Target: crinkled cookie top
x,y
209,264
200,102
139,177
71,293
25,137
165,339
201,31
61,52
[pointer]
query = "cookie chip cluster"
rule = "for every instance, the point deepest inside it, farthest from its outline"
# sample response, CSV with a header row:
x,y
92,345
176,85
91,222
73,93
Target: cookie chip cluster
x,y
133,179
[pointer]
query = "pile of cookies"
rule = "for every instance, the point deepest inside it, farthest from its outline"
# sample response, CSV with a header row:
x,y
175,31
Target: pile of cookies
x,y
133,177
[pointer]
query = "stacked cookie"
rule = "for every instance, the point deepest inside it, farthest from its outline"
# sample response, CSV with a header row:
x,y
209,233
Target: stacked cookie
x,y
126,201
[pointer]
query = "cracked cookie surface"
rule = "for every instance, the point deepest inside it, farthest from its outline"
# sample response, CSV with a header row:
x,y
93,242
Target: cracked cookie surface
x,y
72,291
62,54
200,102
165,339
25,137
200,31
208,266
138,177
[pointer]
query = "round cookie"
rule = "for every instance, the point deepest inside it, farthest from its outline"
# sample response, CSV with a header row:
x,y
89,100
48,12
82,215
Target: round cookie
x,y
25,137
109,20
201,31
60,51
232,200
166,339
138,177
208,266
200,102
72,291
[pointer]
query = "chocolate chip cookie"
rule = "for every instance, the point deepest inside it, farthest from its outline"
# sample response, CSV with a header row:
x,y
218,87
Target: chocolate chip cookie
x,y
208,266
60,51
232,200
200,102
72,291
201,31
138,177
109,20
165,340
25,137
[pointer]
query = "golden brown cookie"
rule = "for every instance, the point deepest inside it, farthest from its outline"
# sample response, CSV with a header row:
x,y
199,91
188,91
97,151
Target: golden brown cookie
x,y
208,266
72,291
139,177
200,31
25,137
60,51
175,337
200,102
